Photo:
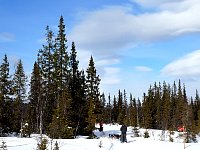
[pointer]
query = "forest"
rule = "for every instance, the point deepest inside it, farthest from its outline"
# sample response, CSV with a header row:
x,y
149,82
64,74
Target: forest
x,y
62,101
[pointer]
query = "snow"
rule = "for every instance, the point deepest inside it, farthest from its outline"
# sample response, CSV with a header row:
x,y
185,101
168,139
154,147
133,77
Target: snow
x,y
107,143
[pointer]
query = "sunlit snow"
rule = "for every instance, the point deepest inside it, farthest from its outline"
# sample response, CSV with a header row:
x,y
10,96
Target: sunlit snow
x,y
104,142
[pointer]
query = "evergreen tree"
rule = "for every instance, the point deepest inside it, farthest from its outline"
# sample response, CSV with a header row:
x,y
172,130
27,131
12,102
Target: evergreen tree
x,y
148,112
125,107
45,62
61,59
36,103
5,97
159,106
120,118
107,111
115,111
166,106
102,107
180,107
77,88
3,146
56,146
19,89
140,113
133,111
173,125
42,145
93,95
61,78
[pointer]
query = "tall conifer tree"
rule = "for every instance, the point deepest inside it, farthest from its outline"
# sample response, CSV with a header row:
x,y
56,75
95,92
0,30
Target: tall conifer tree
x,y
93,94
19,89
5,97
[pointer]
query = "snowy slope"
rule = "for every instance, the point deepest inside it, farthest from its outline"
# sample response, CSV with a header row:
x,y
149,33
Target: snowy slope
x,y
154,143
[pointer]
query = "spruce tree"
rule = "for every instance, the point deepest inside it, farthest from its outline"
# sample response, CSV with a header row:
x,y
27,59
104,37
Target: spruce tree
x,y
36,104
140,114
46,66
19,89
125,108
173,106
114,110
180,107
148,109
134,113
93,95
120,118
77,91
107,111
61,78
5,97
166,107
56,146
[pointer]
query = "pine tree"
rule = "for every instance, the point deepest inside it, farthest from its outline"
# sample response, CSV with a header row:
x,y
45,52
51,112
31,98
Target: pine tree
x,y
93,94
148,110
159,106
102,105
180,107
115,111
61,59
140,114
61,78
134,113
125,108
3,146
56,146
19,89
107,111
5,97
166,107
59,128
77,88
42,145
45,63
36,105
120,118
173,125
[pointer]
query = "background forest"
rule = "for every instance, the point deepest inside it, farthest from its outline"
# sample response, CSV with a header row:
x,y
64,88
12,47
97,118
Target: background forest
x,y
63,101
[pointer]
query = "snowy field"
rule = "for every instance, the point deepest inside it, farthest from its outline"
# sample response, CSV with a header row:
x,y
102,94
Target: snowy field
x,y
106,143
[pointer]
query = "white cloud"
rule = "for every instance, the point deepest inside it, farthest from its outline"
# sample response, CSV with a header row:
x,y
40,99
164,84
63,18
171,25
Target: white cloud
x,y
143,69
111,76
104,62
6,37
186,67
107,31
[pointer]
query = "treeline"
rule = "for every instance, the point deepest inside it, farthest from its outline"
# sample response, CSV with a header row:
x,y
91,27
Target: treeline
x,y
63,101
164,107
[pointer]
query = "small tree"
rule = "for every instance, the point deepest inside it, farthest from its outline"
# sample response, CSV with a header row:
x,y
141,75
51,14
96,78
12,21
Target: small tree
x,y
56,146
146,134
59,128
42,145
170,136
25,132
136,132
3,146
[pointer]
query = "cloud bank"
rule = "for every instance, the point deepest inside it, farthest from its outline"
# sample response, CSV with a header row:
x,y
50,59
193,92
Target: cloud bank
x,y
113,28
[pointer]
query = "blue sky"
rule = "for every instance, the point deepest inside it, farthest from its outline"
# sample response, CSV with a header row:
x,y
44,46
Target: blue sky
x,y
134,42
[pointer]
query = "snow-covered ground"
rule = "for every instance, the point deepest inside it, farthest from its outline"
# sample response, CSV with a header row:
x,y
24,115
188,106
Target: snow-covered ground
x,y
81,143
